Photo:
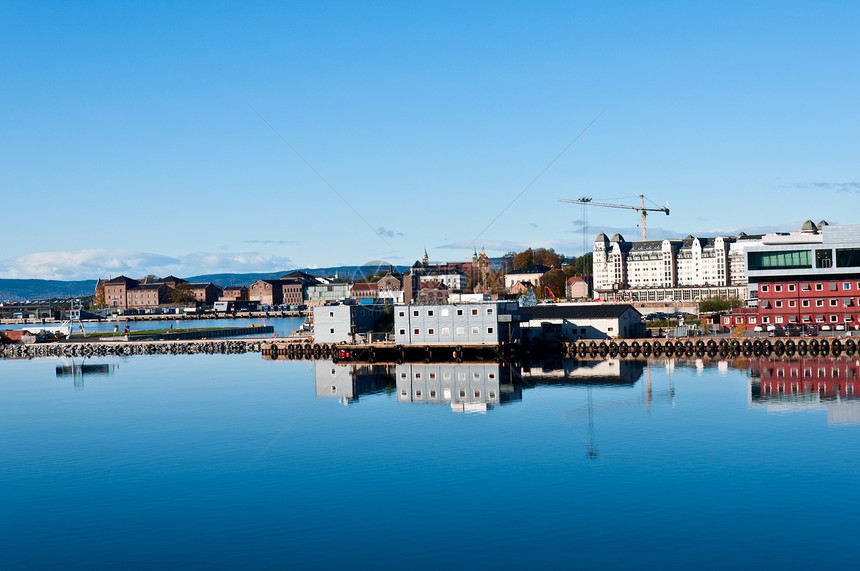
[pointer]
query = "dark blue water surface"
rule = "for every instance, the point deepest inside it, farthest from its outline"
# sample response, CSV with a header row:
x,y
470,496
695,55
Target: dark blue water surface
x,y
230,461
282,326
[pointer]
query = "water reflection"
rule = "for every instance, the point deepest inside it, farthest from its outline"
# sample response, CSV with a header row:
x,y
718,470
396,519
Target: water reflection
x,y
792,385
78,371
349,382
468,388
479,387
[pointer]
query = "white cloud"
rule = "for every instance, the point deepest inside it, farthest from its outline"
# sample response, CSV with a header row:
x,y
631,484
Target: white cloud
x,y
93,264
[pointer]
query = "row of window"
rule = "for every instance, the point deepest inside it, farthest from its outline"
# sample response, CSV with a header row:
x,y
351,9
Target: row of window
x,y
795,373
447,331
765,320
446,376
831,286
846,302
444,312
446,394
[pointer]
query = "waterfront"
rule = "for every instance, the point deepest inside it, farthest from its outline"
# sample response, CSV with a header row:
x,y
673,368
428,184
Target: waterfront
x,y
283,326
233,461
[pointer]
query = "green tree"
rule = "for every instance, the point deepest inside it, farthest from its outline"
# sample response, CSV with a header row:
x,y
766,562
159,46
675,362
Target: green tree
x,y
523,260
547,257
182,293
555,281
583,266
99,297
715,304
150,278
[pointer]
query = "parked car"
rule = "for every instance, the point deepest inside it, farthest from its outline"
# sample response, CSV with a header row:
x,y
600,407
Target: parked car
x,y
840,327
810,331
826,328
758,329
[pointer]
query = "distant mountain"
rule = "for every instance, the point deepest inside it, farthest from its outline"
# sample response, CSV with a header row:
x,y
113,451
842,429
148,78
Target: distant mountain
x,y
348,272
31,290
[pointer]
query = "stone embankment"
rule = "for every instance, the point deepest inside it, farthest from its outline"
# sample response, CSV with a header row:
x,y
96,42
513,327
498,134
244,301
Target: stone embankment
x,y
215,346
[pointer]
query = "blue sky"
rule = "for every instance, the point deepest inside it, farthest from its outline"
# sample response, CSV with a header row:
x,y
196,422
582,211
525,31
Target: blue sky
x,y
188,138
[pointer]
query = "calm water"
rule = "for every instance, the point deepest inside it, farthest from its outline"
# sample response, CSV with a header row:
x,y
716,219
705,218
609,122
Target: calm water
x,y
283,326
230,461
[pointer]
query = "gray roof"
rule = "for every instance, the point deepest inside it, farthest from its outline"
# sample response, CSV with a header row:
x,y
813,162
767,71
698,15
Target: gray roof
x,y
647,245
560,311
533,269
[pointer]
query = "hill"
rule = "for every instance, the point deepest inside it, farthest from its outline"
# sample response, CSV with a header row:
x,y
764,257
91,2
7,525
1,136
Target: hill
x,y
25,290
31,290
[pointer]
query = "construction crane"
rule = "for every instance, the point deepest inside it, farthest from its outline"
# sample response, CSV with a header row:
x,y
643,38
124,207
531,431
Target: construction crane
x,y
641,209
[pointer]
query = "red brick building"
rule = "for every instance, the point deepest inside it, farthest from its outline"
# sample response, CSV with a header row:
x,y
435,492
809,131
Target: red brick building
x,y
835,303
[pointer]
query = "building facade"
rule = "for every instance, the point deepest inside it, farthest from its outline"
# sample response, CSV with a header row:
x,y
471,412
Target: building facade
x,y
343,323
707,264
811,277
468,323
568,321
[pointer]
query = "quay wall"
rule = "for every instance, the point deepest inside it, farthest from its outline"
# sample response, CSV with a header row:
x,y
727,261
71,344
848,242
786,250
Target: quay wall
x,y
120,348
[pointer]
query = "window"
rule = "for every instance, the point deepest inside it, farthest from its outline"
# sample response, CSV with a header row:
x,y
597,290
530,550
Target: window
x,y
475,331
445,312
804,303
331,313
834,318
446,331
489,330
461,331
819,287
834,302
474,312
847,257
780,260
429,313
402,332
431,331
778,303
415,313
401,313
489,311
752,319
804,287
459,312
416,332
764,319
819,303
792,303
779,319
777,288
823,259
331,330
791,287
846,286
432,376
764,288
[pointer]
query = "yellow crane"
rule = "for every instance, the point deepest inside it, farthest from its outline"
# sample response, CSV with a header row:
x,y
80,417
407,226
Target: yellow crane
x,y
641,209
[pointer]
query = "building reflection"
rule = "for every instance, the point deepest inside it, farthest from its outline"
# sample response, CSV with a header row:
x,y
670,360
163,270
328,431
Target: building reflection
x,y
78,371
789,385
470,388
584,372
349,382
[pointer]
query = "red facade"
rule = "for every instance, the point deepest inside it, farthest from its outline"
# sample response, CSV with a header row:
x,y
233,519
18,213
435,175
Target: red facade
x,y
834,303
829,378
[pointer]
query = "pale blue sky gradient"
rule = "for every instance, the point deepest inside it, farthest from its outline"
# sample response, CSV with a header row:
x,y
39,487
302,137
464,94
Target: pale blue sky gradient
x,y
132,142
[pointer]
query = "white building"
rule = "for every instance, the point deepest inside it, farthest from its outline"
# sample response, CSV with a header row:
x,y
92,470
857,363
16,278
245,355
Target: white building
x,y
570,321
622,267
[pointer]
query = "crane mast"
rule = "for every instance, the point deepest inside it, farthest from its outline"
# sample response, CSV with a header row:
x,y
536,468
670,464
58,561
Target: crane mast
x,y
643,210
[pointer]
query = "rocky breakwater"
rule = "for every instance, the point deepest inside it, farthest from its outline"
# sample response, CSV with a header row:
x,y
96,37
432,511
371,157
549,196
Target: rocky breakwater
x,y
215,346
